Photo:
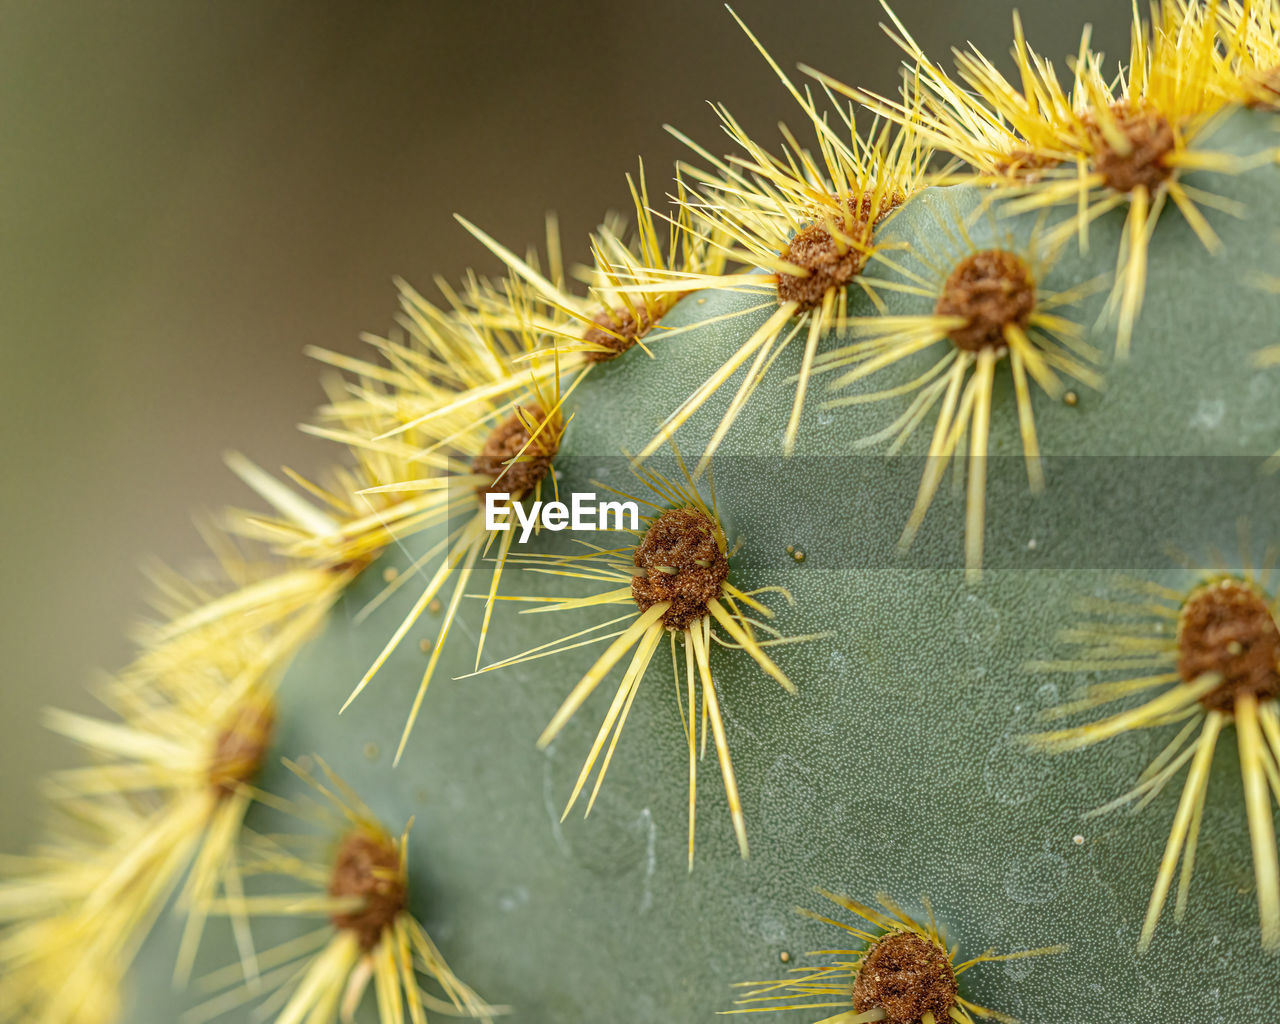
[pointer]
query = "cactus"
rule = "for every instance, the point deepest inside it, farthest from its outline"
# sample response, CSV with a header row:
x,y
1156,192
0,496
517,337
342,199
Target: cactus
x,y
949,442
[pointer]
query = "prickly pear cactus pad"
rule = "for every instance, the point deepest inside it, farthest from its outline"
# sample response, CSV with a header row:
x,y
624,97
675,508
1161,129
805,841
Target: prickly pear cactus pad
x,y
851,596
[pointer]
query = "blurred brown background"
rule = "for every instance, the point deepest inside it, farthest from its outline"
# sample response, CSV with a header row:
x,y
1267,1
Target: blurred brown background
x,y
191,192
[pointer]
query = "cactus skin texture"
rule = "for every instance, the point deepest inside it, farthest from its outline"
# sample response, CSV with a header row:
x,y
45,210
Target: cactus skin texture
x,y
898,767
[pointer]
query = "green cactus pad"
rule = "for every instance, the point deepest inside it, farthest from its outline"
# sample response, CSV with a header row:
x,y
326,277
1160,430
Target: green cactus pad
x,y
898,767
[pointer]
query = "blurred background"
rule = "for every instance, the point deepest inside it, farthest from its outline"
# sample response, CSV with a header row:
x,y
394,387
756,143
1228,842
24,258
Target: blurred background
x,y
191,192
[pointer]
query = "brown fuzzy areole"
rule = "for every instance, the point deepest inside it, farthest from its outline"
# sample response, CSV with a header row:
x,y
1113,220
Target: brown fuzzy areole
x,y
992,289
1264,90
906,976
354,566
241,747
683,540
617,330
1025,164
1227,628
368,867
814,248
504,444
1151,139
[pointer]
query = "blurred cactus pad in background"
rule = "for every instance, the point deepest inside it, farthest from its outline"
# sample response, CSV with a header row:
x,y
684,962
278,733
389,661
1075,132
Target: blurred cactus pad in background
x,y
936,678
